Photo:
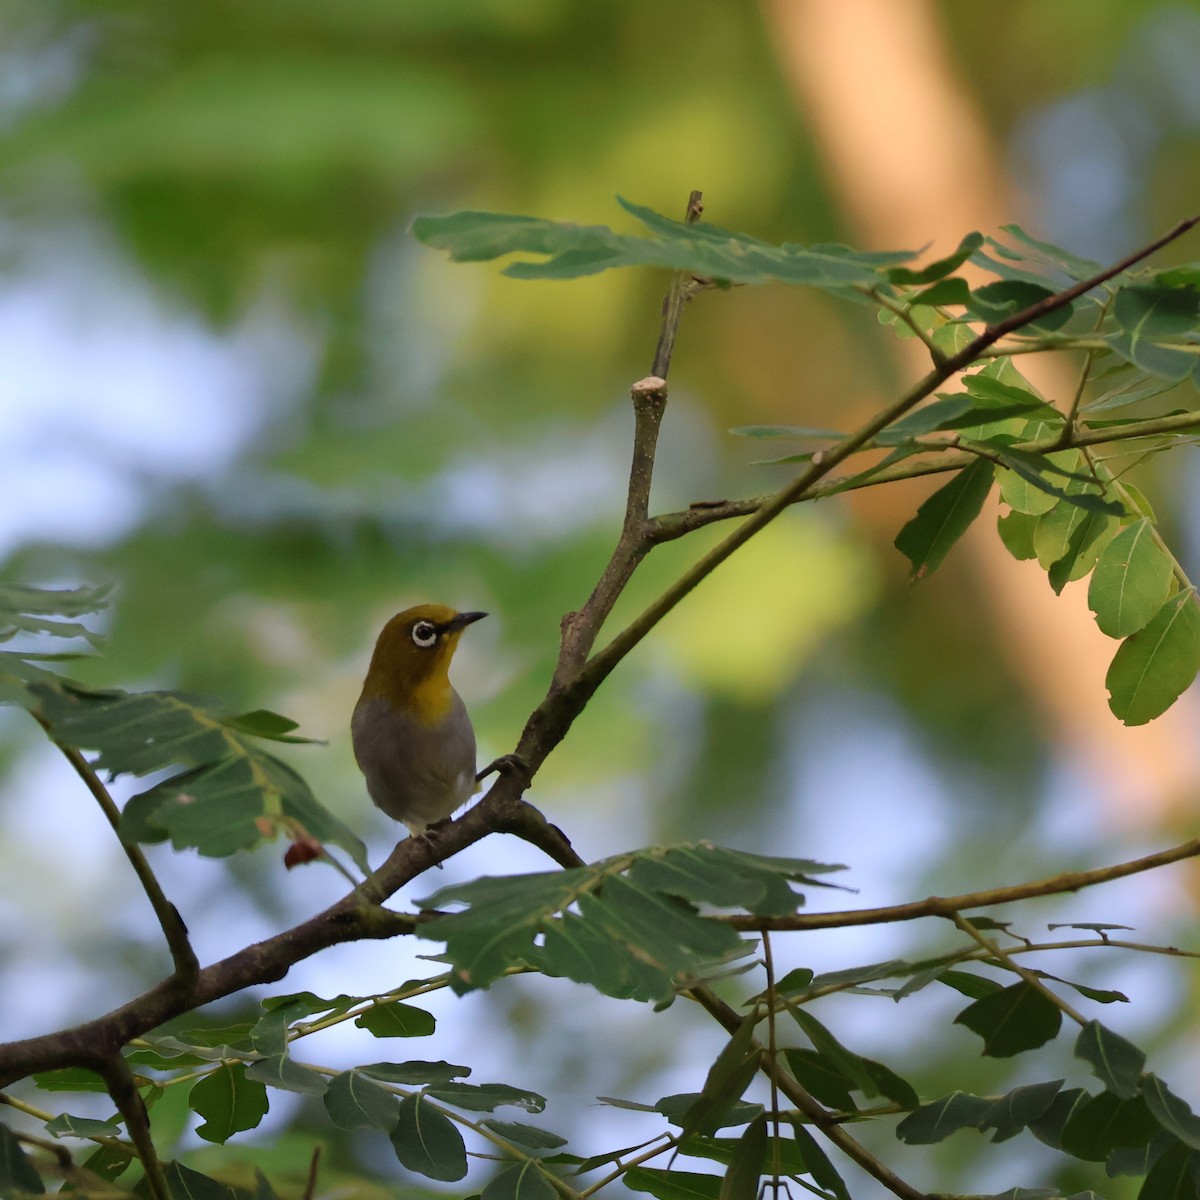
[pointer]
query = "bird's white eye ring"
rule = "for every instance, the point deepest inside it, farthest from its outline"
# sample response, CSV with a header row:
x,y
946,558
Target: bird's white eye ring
x,y
424,634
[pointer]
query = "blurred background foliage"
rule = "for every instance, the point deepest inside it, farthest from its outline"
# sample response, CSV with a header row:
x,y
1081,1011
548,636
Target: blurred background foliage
x,y
235,387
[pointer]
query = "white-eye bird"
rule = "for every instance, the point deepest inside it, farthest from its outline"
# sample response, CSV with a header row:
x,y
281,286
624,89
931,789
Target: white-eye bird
x,y
412,737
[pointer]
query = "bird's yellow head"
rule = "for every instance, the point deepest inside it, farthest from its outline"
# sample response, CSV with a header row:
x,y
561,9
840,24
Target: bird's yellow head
x,y
411,663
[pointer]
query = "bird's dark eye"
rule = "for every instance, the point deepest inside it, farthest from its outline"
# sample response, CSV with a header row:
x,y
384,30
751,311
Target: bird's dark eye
x,y
424,634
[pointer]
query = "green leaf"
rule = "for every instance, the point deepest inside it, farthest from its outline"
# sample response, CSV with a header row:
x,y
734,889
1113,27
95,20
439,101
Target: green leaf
x,y
1157,311
796,980
1105,1122
1172,1113
354,1100
427,1141
265,724
232,794
109,1162
281,1072
848,1064
975,986
66,1125
817,1163
946,293
728,1077
185,1184
527,1136
1012,1113
70,1079
783,1152
941,267
1014,1019
17,1173
816,1074
1147,313
736,879
396,1020
801,432
995,302
1153,666
936,1121
571,251
262,1188
676,1108
1079,491
673,1185
1088,539
1137,1160
1131,582
944,518
415,1072
1017,531
519,1181
1173,1176
484,1097
49,611
1116,1062
1049,1126
228,1102
631,933
741,1178
1045,252
1170,364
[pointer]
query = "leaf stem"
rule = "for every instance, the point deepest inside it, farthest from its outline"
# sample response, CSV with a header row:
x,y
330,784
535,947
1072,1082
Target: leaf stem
x,y
993,948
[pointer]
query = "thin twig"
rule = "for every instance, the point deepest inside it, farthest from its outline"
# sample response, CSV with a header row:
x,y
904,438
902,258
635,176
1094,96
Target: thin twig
x,y
676,298
993,948
948,906
169,920
669,526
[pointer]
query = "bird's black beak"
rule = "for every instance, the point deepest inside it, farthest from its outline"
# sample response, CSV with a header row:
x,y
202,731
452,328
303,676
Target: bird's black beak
x,y
462,620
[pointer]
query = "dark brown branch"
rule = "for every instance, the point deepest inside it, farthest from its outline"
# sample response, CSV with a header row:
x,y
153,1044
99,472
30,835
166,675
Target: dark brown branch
x,y
119,1081
355,917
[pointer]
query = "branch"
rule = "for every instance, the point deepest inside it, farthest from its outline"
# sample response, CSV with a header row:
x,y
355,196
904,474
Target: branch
x,y
579,629
174,930
812,1109
1027,976
703,513
119,1081
949,906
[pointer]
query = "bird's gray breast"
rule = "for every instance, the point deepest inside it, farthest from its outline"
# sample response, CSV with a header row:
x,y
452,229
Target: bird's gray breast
x,y
416,773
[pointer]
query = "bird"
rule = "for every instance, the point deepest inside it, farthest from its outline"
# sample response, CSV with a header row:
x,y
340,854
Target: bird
x,y
412,737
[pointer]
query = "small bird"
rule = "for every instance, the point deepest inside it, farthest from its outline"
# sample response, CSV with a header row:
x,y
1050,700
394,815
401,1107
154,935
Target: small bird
x,y
412,737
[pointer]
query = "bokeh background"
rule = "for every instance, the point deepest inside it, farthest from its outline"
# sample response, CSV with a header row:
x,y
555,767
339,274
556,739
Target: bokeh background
x,y
235,387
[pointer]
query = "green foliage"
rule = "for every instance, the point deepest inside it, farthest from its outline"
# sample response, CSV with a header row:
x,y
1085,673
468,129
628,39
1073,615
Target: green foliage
x,y
655,924
627,926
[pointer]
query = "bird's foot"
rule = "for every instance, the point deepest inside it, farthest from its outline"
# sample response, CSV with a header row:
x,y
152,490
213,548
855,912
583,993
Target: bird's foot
x,y
507,764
